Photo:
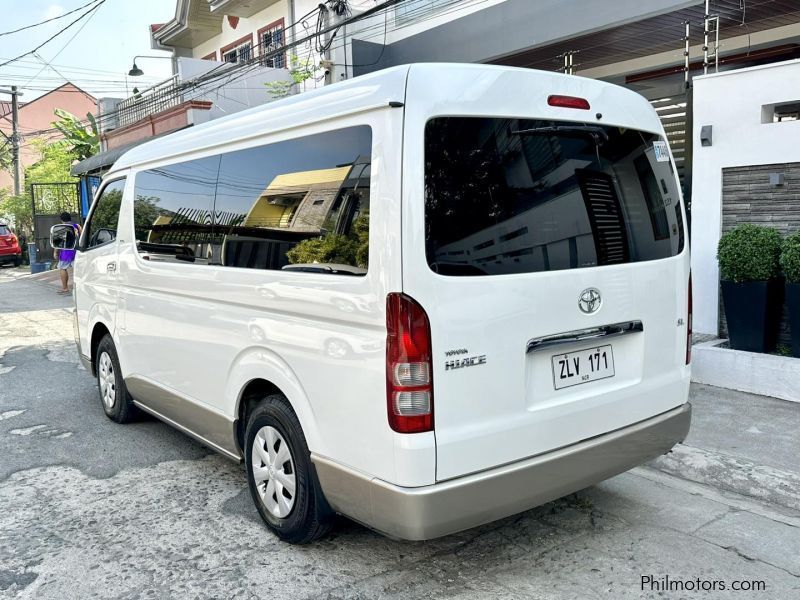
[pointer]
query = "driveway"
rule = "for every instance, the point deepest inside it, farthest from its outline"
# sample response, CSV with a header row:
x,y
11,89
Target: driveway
x,y
90,509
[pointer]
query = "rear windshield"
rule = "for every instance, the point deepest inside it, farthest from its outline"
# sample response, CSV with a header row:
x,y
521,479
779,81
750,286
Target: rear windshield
x,y
522,196
4,230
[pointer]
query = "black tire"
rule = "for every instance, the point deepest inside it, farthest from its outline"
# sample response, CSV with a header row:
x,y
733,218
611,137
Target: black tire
x,y
17,262
310,516
122,409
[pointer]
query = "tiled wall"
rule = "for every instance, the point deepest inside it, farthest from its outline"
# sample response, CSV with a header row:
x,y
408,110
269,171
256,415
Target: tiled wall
x,y
748,197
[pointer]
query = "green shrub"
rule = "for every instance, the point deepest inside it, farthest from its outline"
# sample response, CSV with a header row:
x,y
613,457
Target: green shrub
x,y
331,248
790,258
749,253
352,249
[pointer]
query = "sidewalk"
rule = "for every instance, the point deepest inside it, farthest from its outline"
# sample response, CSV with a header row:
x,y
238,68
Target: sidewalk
x,y
31,312
741,443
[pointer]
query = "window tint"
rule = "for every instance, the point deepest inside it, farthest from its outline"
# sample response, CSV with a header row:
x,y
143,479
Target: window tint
x,y
102,226
172,212
301,204
519,196
301,201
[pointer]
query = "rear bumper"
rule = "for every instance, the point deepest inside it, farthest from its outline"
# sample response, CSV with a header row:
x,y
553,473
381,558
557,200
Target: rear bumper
x,y
457,504
10,256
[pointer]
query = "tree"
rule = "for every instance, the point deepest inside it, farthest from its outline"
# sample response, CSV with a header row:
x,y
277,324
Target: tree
x,y
300,70
6,156
82,140
18,209
349,249
332,248
53,167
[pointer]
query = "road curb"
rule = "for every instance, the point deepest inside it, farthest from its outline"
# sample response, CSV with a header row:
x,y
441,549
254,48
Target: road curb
x,y
733,474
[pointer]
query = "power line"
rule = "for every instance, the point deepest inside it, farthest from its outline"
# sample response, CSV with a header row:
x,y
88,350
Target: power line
x,y
93,12
50,39
30,64
48,20
228,73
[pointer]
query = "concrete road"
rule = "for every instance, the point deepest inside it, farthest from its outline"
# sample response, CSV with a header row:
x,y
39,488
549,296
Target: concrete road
x,y
90,509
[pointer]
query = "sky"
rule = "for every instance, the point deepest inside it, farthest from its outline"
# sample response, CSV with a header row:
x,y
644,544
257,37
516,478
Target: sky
x,y
97,59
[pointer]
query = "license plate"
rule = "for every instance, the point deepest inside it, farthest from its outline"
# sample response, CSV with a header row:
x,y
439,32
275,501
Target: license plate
x,y
574,368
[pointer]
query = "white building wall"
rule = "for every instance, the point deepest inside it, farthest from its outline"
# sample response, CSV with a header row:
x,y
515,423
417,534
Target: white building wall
x,y
245,26
731,102
233,96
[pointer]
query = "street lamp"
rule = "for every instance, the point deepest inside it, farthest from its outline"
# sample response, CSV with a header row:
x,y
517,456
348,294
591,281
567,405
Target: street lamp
x,y
136,71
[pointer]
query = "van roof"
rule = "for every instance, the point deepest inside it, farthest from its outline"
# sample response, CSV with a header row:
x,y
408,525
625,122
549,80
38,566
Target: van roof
x,y
365,92
360,93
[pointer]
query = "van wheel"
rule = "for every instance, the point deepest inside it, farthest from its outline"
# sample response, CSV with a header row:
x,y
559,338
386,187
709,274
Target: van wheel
x,y
117,403
281,477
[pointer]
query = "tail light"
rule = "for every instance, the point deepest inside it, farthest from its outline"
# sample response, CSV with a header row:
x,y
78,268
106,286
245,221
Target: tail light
x,y
689,324
409,368
568,102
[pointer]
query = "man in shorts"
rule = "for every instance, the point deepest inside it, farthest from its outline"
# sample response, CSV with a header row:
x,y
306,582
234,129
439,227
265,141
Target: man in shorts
x,y
66,257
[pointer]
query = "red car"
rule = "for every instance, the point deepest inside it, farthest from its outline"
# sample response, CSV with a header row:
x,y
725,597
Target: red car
x,y
10,252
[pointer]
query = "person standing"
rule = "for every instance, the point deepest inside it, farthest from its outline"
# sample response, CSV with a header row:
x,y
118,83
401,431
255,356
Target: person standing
x,y
66,256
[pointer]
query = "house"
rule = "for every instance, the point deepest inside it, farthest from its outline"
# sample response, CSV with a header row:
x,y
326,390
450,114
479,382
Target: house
x,y
36,118
747,170
225,56
655,48
743,86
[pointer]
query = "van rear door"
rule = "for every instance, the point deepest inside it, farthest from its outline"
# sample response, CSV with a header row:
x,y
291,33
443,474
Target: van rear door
x,y
548,248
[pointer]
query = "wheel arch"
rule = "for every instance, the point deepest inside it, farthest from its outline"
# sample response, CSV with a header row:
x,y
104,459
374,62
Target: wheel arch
x,y
99,331
260,372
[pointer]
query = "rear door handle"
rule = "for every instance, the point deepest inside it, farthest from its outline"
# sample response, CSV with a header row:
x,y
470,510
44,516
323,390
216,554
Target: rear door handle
x,y
112,266
579,335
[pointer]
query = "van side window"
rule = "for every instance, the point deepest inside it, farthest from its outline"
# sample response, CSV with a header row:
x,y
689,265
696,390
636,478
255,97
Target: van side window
x,y
172,212
102,226
302,204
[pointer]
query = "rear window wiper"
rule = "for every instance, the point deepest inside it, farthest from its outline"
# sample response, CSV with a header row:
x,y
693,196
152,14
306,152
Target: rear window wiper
x,y
598,134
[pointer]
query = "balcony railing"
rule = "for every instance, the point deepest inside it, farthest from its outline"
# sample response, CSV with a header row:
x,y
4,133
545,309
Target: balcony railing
x,y
161,96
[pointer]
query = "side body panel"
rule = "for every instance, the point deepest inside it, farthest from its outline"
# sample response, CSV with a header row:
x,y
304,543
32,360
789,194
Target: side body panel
x,y
200,333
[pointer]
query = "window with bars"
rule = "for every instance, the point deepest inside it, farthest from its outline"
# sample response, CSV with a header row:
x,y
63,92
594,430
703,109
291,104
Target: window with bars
x,y
239,54
272,39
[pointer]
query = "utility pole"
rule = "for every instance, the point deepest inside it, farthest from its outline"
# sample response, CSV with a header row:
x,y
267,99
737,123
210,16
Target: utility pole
x,y
326,41
16,168
15,140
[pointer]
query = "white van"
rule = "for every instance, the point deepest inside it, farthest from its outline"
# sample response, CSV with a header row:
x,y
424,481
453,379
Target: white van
x,y
426,298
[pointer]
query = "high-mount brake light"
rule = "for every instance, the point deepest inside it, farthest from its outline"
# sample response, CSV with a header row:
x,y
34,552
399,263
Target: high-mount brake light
x,y
568,102
409,369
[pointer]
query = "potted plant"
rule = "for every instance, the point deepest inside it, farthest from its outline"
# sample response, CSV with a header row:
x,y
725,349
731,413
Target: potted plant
x,y
752,292
790,263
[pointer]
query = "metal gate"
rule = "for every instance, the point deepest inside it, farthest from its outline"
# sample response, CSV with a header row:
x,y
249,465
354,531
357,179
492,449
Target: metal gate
x,y
48,201
674,107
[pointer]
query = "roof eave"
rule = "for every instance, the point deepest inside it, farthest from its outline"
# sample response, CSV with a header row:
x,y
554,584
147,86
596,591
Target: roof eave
x,y
180,32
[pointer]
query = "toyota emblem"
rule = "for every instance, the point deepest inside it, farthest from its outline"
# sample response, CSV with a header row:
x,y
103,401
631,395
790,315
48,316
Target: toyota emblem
x,y
590,301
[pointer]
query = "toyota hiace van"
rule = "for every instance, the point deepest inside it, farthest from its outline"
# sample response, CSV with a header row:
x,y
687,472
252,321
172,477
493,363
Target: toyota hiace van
x,y
425,298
